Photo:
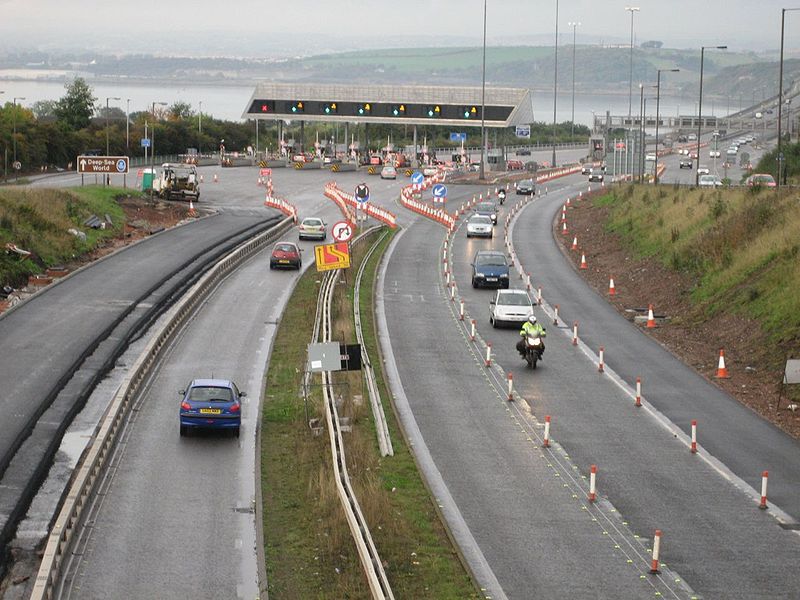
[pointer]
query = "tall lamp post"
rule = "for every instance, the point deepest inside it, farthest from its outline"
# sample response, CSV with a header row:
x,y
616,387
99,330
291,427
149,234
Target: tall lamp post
x,y
199,125
780,95
555,88
483,100
107,144
574,27
640,161
700,110
658,102
128,123
153,148
632,10
14,119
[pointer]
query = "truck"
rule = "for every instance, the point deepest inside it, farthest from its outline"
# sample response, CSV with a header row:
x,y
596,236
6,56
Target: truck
x,y
177,181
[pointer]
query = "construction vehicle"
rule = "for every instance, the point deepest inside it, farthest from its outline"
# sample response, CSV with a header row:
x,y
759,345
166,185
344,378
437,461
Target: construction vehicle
x,y
177,181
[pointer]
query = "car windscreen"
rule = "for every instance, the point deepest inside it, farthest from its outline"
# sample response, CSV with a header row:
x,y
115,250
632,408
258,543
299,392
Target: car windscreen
x,y
312,222
284,248
490,259
480,220
514,299
485,207
526,183
210,394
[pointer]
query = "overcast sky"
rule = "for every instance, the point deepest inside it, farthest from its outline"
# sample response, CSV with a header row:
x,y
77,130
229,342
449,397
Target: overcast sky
x,y
741,24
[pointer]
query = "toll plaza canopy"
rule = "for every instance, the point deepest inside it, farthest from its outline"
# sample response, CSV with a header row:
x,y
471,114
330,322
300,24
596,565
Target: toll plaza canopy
x,y
400,104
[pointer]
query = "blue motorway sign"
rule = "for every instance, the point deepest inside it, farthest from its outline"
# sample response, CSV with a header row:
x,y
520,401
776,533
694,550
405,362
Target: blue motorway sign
x,y
523,131
439,191
145,142
417,177
458,137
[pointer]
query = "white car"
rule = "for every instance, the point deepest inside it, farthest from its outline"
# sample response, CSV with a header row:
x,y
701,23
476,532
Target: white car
x,y
650,157
703,170
510,306
709,181
388,172
714,154
480,226
311,228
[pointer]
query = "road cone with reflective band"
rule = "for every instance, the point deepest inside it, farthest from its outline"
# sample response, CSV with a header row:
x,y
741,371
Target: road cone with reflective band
x,y
722,372
651,320
216,179
575,243
611,289
201,178
564,229
192,212
583,261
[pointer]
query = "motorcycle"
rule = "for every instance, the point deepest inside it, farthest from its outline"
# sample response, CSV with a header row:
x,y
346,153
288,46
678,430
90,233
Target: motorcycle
x,y
533,349
502,196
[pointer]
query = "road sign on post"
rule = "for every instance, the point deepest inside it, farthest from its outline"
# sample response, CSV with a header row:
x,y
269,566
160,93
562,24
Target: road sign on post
x,y
458,136
439,192
362,193
145,142
417,178
342,231
332,256
103,164
523,131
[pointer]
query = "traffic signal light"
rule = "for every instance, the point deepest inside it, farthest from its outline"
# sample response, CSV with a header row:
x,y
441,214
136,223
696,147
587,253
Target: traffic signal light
x,y
364,109
433,111
298,107
470,112
267,107
399,110
330,108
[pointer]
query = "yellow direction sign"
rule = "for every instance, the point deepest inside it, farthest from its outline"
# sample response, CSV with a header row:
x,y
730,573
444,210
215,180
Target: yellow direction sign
x,y
332,256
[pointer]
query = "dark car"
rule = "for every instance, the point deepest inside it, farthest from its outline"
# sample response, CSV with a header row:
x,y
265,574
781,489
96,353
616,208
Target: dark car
x,y
489,269
211,404
524,152
488,209
526,186
285,255
685,164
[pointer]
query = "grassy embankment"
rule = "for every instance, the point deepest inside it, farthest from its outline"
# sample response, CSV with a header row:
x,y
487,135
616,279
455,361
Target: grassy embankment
x,y
308,546
38,220
741,245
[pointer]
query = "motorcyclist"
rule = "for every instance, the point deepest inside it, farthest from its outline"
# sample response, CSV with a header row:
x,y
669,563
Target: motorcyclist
x,y
502,195
533,328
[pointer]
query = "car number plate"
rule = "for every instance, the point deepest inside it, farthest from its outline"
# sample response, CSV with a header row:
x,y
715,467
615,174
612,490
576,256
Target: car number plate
x,y
210,411
283,262
491,279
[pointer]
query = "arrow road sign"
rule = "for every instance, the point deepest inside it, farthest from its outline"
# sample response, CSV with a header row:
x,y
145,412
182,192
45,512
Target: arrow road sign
x,y
439,191
342,231
362,193
332,256
103,164
417,177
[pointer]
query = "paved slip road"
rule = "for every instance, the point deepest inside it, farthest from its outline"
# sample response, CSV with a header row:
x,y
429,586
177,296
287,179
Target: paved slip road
x,y
715,538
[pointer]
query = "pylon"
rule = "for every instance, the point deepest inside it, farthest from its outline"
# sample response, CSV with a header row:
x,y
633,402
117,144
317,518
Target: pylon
x,y
201,178
192,211
611,289
583,261
575,243
651,320
564,229
722,372
216,180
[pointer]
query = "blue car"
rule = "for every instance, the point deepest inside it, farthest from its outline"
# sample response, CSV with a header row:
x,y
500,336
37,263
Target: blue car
x,y
490,269
211,404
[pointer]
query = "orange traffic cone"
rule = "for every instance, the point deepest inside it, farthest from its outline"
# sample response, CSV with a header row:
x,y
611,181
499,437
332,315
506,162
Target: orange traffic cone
x,y
611,289
564,229
215,178
575,243
722,372
651,320
192,211
583,261
201,178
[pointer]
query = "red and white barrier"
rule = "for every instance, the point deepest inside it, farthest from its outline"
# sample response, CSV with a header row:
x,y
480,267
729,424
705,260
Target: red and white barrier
x,y
546,441
593,483
282,205
376,212
694,436
656,552
764,476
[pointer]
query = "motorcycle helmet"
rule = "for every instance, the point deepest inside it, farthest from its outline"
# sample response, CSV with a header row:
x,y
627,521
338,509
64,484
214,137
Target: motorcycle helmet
x,y
532,319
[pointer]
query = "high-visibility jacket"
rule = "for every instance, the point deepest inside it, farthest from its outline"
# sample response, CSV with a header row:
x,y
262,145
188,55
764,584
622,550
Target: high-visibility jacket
x,y
534,329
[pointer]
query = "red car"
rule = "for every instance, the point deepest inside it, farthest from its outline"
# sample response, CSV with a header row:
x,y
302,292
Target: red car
x,y
285,255
763,179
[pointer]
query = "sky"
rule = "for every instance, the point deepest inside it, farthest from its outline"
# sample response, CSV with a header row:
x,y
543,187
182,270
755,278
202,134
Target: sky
x,y
350,24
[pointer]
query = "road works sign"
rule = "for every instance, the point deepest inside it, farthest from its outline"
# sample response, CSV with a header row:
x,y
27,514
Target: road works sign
x,y
332,256
103,164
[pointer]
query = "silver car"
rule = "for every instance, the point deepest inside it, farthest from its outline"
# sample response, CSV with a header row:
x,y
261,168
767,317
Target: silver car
x,y
510,306
480,226
709,181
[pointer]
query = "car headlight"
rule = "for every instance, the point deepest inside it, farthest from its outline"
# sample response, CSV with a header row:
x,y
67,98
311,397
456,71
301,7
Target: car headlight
x,y
479,274
494,216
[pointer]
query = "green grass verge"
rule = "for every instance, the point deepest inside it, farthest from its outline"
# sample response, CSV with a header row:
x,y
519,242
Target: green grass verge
x,y
741,245
309,551
38,220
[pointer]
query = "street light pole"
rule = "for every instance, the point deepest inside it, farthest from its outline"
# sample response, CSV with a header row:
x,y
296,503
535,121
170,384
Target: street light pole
x,y
632,10
574,26
128,123
658,102
483,100
14,136
700,110
153,148
199,126
641,133
107,144
555,89
780,95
